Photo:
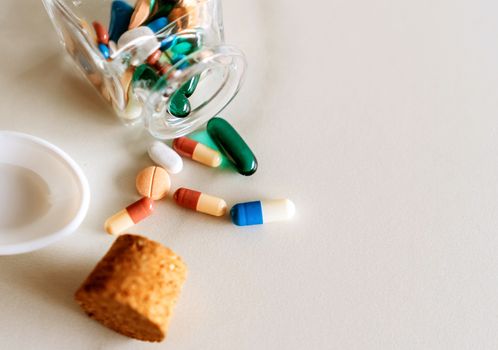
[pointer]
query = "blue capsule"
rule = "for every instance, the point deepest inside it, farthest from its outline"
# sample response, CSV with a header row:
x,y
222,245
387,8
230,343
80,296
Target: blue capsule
x,y
120,19
168,42
104,50
244,214
158,24
259,212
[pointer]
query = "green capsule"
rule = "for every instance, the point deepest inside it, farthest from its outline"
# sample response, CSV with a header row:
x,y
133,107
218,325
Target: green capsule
x,y
179,105
189,87
161,9
145,73
232,145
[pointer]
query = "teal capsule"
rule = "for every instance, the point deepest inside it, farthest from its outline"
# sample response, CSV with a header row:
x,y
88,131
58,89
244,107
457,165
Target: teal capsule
x,y
193,38
175,58
233,145
179,105
182,48
185,64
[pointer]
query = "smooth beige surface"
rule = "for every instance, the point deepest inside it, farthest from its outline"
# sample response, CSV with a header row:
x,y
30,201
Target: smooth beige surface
x,y
378,119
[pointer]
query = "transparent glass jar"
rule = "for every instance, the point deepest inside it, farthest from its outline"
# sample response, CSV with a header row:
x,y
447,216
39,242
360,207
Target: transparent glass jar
x,y
218,68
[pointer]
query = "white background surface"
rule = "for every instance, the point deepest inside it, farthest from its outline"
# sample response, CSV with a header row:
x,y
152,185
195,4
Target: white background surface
x,y
378,118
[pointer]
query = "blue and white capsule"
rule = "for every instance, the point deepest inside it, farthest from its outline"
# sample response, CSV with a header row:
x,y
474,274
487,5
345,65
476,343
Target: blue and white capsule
x,y
262,212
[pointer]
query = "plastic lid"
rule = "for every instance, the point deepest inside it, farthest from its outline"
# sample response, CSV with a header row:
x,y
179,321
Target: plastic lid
x,y
45,195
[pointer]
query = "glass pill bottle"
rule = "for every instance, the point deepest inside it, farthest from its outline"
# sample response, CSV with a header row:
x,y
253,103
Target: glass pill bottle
x,y
161,63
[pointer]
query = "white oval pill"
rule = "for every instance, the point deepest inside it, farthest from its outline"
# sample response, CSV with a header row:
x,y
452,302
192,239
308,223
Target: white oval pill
x,y
166,157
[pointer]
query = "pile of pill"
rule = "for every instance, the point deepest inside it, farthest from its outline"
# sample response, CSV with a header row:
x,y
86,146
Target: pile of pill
x,y
153,183
148,40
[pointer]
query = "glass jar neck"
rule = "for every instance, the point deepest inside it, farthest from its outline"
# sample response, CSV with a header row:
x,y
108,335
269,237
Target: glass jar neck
x,y
219,72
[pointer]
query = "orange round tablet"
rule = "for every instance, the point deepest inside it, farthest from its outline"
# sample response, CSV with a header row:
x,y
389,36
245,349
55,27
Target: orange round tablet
x,y
153,182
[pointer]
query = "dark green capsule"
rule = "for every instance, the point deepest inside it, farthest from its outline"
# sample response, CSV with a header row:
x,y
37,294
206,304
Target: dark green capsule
x,y
179,105
189,87
232,145
161,9
145,73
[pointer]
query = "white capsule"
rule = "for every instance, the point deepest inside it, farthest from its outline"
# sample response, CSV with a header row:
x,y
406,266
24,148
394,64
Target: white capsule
x,y
142,39
278,210
166,157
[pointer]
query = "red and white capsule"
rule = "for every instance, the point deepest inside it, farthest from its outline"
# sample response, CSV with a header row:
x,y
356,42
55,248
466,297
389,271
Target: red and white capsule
x,y
197,151
153,59
131,215
200,202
